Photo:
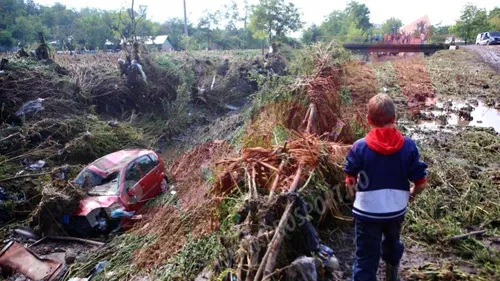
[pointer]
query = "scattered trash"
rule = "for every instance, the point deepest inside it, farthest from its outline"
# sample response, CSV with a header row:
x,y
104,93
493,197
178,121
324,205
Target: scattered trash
x,y
113,123
98,268
30,107
231,107
327,255
26,233
205,275
37,166
121,213
303,269
16,258
61,173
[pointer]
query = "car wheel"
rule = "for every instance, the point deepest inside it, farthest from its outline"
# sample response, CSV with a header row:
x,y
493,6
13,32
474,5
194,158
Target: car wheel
x,y
488,43
164,185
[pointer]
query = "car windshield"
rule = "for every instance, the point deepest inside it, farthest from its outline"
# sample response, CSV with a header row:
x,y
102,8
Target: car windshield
x,y
109,187
495,34
88,178
97,184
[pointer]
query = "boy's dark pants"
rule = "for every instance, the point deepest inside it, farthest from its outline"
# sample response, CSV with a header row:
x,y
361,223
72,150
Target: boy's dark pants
x,y
375,239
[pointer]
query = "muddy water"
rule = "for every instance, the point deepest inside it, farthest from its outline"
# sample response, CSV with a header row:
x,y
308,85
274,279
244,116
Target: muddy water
x,y
461,114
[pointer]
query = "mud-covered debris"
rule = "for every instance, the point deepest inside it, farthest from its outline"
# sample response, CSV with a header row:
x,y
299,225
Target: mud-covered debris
x,y
37,166
30,108
16,258
303,269
26,233
70,256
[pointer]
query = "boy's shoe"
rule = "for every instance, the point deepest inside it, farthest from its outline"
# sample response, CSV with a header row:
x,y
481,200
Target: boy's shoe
x,y
392,272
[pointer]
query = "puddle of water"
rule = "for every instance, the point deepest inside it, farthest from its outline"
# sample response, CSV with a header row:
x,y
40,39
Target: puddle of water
x,y
449,114
486,117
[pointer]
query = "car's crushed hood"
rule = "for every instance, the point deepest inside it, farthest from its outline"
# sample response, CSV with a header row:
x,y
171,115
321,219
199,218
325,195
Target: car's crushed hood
x,y
95,202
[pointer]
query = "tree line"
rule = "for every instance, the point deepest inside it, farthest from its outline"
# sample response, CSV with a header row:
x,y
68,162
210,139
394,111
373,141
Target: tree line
x,y
353,24
90,28
236,25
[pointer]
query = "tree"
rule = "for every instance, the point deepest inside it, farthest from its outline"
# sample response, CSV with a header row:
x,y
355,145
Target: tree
x,y
91,29
472,21
6,39
311,34
231,15
335,24
391,25
274,19
359,14
351,24
207,26
494,19
175,29
246,7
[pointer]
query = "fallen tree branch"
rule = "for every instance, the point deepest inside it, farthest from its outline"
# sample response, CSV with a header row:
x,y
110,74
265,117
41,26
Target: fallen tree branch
x,y
312,117
276,180
68,238
24,176
10,136
461,236
269,260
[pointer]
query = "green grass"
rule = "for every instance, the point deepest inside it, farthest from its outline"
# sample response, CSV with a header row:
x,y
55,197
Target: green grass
x,y
462,73
461,197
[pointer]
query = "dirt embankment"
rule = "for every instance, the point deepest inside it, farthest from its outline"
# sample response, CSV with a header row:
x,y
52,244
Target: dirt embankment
x,y
174,243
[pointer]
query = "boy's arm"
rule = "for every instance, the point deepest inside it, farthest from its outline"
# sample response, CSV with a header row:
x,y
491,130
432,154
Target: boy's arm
x,y
418,174
352,168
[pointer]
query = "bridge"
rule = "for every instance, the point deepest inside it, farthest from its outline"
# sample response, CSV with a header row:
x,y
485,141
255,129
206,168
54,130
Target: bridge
x,y
395,48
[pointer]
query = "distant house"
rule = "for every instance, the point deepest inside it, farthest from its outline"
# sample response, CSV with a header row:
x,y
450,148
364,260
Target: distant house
x,y
161,42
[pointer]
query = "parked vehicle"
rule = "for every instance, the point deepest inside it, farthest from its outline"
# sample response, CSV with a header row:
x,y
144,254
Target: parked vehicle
x,y
118,185
488,38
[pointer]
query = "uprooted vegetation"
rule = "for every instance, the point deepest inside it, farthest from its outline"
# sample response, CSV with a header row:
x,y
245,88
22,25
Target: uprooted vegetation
x,y
75,109
235,196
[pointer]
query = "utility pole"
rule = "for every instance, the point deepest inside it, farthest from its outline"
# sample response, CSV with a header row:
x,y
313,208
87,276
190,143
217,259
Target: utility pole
x,y
185,20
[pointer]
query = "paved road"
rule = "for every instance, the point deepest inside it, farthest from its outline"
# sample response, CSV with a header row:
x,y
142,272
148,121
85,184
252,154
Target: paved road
x,y
490,54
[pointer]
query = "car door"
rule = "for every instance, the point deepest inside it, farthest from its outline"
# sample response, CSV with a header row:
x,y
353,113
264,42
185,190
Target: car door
x,y
131,192
485,39
150,180
159,169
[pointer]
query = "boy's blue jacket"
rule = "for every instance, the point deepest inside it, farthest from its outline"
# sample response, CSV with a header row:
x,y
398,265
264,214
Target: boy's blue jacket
x,y
384,163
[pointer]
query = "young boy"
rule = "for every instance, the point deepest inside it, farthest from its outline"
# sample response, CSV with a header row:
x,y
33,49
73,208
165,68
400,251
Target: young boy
x,y
379,169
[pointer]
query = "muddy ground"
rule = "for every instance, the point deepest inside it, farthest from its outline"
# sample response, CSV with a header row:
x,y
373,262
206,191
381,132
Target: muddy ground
x,y
489,54
447,102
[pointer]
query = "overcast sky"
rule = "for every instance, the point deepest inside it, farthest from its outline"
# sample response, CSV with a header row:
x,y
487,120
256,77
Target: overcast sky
x,y
313,11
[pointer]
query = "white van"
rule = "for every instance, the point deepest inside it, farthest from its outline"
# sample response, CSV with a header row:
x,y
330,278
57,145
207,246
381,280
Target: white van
x,y
488,38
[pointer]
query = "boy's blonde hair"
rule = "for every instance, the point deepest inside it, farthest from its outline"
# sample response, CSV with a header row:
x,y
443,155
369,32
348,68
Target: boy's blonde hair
x,y
381,110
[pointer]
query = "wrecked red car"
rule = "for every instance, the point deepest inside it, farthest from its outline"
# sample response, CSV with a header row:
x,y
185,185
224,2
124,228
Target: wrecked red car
x,y
118,186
